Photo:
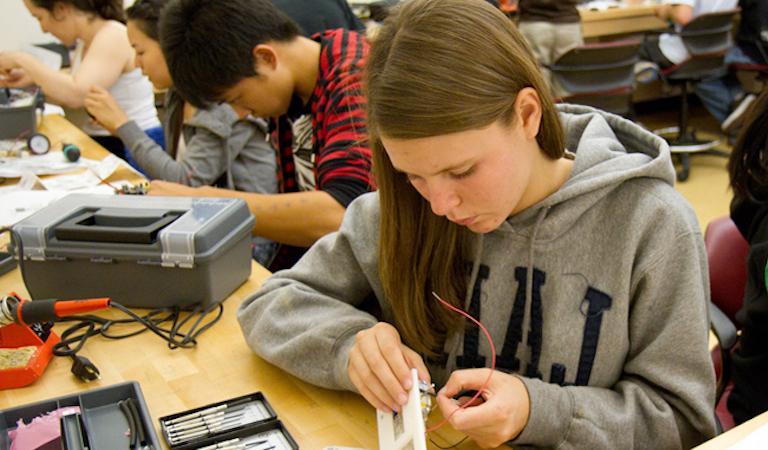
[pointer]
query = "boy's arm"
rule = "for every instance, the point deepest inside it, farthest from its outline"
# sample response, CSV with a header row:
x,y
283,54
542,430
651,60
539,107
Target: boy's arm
x,y
296,218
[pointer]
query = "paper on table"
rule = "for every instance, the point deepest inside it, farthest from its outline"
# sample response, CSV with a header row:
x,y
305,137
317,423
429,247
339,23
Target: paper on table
x,y
51,163
21,200
17,204
50,109
754,440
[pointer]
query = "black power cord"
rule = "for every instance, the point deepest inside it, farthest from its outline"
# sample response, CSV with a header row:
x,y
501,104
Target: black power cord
x,y
85,326
175,335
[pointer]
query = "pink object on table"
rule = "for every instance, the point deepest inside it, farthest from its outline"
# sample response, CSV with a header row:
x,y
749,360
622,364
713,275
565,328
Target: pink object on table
x,y
43,432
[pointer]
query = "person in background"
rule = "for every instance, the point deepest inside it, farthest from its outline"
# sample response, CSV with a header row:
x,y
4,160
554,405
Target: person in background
x,y
313,17
668,49
316,16
210,146
512,209
728,99
103,57
251,55
551,28
748,170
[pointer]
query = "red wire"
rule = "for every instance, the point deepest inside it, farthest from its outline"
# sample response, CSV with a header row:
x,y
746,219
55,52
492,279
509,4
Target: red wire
x,y
493,361
104,181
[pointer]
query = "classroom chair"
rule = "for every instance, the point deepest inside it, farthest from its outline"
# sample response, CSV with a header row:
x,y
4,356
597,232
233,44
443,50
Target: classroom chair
x,y
600,75
727,256
708,38
754,77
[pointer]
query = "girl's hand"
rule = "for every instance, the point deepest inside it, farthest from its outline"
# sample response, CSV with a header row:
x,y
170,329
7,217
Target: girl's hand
x,y
380,367
14,77
7,62
497,416
104,109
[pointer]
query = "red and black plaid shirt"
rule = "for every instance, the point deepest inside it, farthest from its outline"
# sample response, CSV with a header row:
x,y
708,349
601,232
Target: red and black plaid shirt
x,y
342,159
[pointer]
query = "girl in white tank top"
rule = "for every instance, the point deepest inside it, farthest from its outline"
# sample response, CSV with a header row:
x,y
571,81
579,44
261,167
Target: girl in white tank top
x,y
103,58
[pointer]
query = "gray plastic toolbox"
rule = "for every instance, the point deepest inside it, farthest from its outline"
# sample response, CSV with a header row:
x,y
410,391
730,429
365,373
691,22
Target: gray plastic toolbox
x,y
141,251
18,122
104,424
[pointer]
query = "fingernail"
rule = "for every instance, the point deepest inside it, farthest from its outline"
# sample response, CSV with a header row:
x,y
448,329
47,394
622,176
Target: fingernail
x,y
396,408
402,399
441,391
407,383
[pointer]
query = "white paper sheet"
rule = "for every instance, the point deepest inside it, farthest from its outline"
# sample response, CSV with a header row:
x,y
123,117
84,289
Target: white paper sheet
x,y
51,163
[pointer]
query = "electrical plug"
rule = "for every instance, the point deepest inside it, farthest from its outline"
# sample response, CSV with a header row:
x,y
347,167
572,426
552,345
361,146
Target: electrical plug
x,y
84,369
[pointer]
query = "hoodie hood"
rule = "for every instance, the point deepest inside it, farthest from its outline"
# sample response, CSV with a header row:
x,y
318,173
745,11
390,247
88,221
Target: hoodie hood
x,y
609,151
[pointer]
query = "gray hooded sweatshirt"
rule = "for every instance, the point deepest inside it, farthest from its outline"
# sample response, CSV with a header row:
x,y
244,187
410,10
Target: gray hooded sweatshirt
x,y
217,143
596,297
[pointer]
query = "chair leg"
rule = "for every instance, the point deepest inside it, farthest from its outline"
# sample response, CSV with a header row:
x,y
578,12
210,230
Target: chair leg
x,y
685,167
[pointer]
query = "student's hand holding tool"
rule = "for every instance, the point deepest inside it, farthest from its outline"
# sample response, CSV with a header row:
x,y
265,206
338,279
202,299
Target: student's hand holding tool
x,y
103,107
497,416
380,367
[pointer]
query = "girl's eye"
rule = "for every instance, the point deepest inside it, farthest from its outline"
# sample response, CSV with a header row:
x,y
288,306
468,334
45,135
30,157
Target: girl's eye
x,y
411,178
464,174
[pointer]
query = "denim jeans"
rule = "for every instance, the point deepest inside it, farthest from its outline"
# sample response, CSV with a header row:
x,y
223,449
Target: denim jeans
x,y
717,94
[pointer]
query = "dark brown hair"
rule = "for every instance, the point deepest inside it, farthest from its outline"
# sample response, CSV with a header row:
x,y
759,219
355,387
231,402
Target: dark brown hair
x,y
106,9
748,164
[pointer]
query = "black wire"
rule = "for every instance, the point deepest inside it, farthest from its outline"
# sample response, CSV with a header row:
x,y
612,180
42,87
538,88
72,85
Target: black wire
x,y
452,446
71,343
19,246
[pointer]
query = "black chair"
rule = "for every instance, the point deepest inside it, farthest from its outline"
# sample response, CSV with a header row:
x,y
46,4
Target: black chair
x,y
600,75
707,38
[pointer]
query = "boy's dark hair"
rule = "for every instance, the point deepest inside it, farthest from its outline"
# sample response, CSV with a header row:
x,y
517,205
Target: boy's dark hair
x,y
146,14
106,9
748,164
208,44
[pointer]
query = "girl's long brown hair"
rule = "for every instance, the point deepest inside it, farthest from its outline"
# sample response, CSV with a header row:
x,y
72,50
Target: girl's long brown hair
x,y
438,67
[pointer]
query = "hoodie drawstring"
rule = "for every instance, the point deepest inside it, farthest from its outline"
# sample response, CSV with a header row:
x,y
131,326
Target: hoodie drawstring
x,y
529,272
475,271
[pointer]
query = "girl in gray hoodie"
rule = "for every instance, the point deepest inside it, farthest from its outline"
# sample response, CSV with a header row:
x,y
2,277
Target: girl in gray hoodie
x,y
205,146
557,228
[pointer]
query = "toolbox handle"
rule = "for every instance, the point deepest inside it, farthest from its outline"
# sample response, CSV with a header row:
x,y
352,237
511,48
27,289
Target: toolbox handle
x,y
113,227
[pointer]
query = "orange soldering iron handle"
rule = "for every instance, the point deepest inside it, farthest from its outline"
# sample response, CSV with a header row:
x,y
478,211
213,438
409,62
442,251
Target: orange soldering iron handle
x,y
69,307
38,311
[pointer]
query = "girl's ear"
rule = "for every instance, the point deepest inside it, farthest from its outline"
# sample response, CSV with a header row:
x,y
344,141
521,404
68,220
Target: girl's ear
x,y
61,10
528,110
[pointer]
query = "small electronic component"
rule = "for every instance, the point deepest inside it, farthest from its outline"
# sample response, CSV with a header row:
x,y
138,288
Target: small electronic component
x,y
135,189
426,391
38,144
71,152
